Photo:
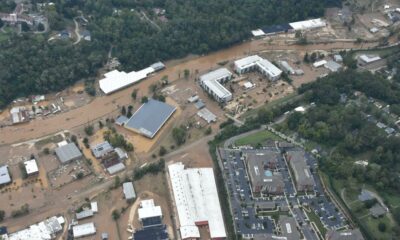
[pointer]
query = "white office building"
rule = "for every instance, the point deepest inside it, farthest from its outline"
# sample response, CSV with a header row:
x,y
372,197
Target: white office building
x,y
212,83
260,64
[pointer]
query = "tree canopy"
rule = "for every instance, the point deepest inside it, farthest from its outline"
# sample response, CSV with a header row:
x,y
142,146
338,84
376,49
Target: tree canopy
x,y
32,65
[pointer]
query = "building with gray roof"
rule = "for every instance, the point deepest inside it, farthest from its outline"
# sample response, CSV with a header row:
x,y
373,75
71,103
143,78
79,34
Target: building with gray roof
x,y
121,120
353,234
333,66
377,211
116,168
68,153
128,190
157,66
263,179
302,174
289,228
101,149
4,175
207,115
150,117
84,214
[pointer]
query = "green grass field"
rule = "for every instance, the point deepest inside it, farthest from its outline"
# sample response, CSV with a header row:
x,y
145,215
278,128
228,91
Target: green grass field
x,y
257,138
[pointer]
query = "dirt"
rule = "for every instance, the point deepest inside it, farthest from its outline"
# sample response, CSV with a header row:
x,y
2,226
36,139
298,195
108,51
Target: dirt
x,y
108,106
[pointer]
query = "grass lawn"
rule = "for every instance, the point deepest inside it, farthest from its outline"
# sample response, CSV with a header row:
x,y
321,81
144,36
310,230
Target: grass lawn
x,y
256,138
372,225
314,218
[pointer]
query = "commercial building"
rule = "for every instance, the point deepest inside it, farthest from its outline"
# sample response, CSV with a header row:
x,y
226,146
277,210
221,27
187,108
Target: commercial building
x,y
44,230
304,179
263,178
129,191
68,153
5,177
289,228
150,117
364,60
149,214
259,64
101,149
212,83
286,67
308,24
353,234
115,168
19,115
31,167
333,66
84,214
196,199
320,63
158,66
116,80
83,230
208,116
338,58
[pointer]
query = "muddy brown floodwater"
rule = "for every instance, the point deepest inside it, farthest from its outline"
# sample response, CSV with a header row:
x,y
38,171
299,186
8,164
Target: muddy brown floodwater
x,y
107,106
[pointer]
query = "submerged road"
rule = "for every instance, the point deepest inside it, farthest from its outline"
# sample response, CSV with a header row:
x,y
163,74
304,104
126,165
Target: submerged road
x,y
108,106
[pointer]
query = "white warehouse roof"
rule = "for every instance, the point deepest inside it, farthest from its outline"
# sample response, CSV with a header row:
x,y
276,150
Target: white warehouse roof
x,y
44,230
211,80
196,200
149,210
247,61
369,58
31,166
319,63
308,24
260,62
83,230
116,80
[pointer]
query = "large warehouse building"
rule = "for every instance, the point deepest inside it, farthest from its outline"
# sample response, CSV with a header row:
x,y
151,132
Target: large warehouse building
x,y
212,83
150,117
260,64
196,200
116,80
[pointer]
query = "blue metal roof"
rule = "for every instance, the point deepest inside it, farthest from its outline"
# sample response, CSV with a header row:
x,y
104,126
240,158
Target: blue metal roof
x,y
150,117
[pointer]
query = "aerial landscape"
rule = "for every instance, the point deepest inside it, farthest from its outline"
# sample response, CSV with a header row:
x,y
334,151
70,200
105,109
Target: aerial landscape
x,y
213,119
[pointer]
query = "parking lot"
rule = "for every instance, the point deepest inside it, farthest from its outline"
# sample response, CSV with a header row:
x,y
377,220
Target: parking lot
x,y
248,222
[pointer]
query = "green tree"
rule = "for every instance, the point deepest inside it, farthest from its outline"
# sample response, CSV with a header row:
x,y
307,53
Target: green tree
x,y
186,73
1,23
41,27
134,94
144,99
382,227
179,135
89,130
115,215
24,27
123,110
162,151
2,215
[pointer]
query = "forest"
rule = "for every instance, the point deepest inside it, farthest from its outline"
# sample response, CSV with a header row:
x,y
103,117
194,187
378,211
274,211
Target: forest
x,y
32,65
